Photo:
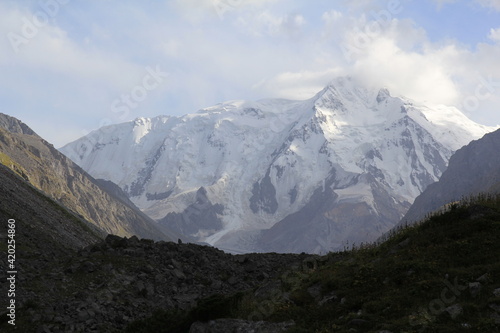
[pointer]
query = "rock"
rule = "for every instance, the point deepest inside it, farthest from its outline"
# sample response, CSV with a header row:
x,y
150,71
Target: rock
x,y
232,280
358,323
150,290
87,267
216,284
474,288
315,291
241,259
496,292
404,243
483,278
269,290
331,297
83,315
179,274
133,241
116,241
176,264
140,287
496,314
455,310
239,325
250,267
495,307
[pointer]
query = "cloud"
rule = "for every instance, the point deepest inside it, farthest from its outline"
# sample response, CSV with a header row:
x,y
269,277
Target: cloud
x,y
441,3
494,35
421,76
494,4
266,23
298,85
196,11
49,73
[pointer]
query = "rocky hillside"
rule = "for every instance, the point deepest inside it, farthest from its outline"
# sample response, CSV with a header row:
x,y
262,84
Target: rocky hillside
x,y
39,163
50,228
472,170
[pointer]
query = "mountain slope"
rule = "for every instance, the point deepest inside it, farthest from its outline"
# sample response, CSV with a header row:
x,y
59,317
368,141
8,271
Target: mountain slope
x,y
44,225
257,168
472,170
38,162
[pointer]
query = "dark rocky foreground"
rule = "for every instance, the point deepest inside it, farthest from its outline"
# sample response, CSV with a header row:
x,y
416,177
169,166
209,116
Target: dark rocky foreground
x,y
106,286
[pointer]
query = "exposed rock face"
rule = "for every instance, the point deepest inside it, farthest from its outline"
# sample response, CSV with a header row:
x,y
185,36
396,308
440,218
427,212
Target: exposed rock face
x,y
47,169
473,169
319,224
49,227
201,218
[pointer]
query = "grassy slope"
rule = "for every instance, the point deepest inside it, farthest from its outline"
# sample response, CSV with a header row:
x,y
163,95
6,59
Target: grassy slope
x,y
402,285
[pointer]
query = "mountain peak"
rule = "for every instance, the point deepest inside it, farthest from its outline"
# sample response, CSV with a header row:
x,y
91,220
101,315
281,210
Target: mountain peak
x,y
351,148
348,93
383,95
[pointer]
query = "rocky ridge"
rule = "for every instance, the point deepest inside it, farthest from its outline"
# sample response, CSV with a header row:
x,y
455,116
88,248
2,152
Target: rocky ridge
x,y
39,163
473,170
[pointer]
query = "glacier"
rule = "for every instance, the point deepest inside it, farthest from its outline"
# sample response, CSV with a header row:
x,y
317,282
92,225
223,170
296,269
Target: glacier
x,y
280,175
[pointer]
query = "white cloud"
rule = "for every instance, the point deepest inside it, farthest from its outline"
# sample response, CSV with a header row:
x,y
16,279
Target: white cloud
x,y
494,4
298,85
331,16
423,77
441,3
494,35
199,10
266,23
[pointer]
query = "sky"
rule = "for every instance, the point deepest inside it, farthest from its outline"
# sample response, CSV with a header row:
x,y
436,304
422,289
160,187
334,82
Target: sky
x,y
68,67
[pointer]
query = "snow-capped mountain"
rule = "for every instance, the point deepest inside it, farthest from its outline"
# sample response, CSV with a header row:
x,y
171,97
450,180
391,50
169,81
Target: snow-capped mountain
x,y
281,175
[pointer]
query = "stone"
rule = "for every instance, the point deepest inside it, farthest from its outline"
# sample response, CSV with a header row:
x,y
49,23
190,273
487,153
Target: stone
x,y
232,280
358,323
179,274
315,291
483,278
116,241
239,325
331,297
83,315
455,310
474,288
